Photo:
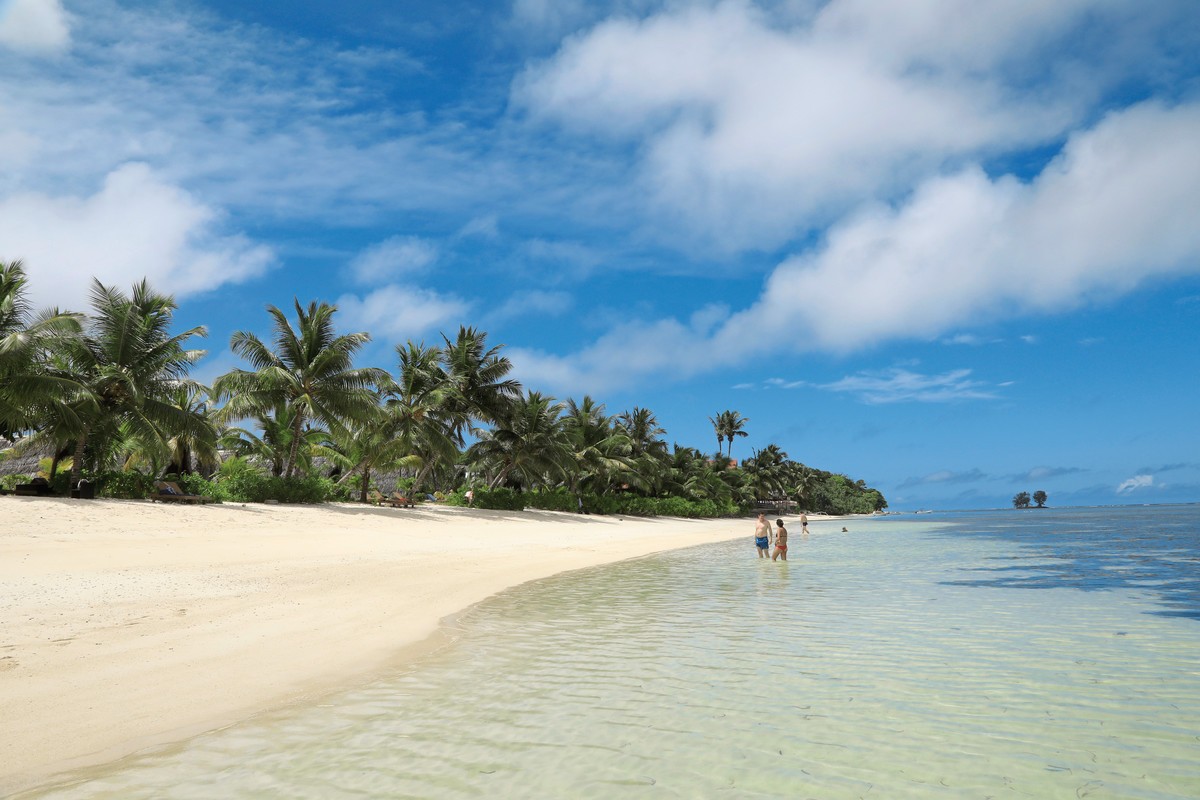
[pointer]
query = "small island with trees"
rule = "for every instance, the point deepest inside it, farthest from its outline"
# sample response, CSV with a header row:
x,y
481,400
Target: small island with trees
x,y
1022,499
106,397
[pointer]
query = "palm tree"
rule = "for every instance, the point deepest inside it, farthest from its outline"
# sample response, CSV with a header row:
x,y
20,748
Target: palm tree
x,y
270,440
718,424
600,449
192,449
729,424
648,451
127,366
309,370
804,481
370,445
478,389
766,473
420,402
527,445
26,339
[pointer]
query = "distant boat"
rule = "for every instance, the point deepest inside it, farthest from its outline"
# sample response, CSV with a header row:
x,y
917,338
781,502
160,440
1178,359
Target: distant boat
x,y
923,511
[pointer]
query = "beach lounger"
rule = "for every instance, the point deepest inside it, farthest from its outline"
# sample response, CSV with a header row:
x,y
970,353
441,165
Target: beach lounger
x,y
398,500
169,492
376,498
38,488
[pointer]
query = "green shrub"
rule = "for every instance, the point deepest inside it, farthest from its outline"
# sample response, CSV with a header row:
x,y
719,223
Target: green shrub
x,y
198,484
239,481
123,485
501,499
10,482
552,500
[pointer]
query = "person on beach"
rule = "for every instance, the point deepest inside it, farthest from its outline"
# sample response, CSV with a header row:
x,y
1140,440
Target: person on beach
x,y
780,541
804,524
762,535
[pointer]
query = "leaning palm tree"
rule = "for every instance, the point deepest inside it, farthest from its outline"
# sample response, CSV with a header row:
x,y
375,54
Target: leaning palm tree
x,y
718,423
27,382
309,370
127,366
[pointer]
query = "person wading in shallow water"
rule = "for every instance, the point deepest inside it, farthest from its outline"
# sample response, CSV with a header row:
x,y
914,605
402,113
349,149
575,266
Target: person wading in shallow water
x,y
762,535
780,541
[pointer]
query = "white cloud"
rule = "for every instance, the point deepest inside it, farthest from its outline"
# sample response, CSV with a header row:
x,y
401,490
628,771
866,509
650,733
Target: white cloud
x,y
242,115
1135,483
1116,209
901,385
943,477
400,312
34,26
393,257
754,130
135,226
542,303
628,352
486,226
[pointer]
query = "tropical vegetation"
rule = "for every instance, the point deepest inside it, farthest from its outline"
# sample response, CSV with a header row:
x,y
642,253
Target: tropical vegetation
x,y
107,397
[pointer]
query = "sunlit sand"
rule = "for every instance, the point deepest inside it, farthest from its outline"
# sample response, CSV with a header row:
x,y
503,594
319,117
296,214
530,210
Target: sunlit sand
x,y
129,625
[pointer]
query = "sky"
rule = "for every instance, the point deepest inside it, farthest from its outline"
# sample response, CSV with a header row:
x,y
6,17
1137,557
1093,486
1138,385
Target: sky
x,y
948,247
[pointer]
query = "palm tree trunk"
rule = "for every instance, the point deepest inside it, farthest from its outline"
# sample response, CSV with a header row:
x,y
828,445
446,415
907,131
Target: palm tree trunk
x,y
77,461
295,449
365,483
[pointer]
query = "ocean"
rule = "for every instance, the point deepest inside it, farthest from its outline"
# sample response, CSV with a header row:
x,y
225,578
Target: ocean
x,y
1048,653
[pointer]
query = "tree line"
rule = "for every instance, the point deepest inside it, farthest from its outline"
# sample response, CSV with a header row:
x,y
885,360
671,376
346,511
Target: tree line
x,y
109,396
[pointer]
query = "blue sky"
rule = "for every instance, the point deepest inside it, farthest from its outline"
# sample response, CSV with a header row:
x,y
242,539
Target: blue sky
x,y
951,248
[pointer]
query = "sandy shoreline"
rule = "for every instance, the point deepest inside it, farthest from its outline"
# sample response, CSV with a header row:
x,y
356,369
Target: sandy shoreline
x,y
128,625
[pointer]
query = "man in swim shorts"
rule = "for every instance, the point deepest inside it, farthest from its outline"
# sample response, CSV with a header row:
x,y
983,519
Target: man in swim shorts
x,y
780,541
762,535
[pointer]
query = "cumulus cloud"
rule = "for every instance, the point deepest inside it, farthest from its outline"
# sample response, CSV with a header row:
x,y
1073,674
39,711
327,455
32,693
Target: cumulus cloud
x,y
1114,210
137,225
1135,483
401,312
393,257
754,129
34,26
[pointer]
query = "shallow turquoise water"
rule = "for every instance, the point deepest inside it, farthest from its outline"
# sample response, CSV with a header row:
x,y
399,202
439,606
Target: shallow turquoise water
x,y
961,656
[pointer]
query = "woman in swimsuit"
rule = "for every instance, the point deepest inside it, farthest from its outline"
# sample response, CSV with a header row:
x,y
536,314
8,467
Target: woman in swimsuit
x,y
762,535
780,541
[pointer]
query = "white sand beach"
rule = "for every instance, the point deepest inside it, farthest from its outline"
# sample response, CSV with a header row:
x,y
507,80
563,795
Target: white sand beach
x,y
128,625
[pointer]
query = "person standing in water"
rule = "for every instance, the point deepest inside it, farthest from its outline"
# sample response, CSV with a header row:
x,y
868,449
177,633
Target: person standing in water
x,y
780,541
804,525
762,535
